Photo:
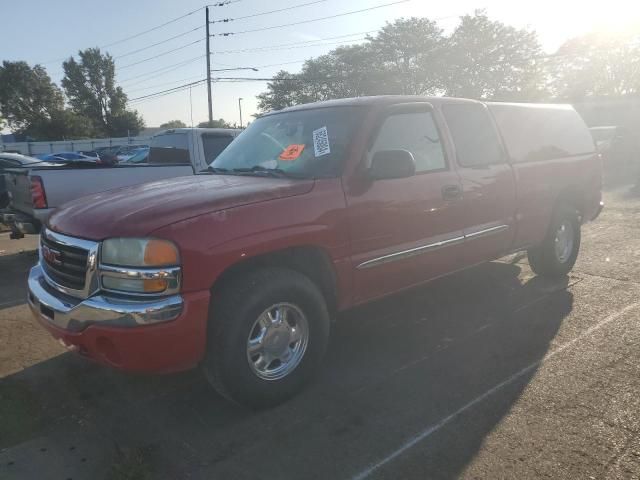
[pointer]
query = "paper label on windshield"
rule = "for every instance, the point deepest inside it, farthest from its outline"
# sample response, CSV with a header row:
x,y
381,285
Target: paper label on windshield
x,y
292,152
321,142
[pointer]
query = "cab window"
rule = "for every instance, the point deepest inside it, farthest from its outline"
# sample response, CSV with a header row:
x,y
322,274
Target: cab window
x,y
415,132
473,135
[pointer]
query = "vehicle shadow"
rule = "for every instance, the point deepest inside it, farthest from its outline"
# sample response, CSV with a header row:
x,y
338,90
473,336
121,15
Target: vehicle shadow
x,y
14,269
394,368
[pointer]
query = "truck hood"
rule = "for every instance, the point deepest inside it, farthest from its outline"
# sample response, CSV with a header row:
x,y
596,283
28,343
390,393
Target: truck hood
x,y
139,210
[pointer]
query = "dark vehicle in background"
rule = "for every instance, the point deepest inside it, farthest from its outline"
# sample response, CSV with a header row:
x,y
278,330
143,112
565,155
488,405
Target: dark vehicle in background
x,y
620,151
38,190
312,210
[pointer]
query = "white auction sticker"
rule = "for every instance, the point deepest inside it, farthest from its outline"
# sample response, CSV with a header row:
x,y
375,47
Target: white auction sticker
x,y
321,142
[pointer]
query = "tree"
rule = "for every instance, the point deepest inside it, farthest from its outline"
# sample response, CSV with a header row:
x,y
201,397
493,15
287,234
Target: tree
x,y
174,124
63,124
220,123
597,64
27,95
34,106
282,92
90,87
480,59
411,53
491,60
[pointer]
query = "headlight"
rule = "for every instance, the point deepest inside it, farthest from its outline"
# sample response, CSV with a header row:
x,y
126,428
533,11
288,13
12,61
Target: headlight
x,y
139,252
139,265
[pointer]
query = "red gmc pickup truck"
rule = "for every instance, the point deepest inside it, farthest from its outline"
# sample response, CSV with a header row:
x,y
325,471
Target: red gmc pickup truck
x,y
312,210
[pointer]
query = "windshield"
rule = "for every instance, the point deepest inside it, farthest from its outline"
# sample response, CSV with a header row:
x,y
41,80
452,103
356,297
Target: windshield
x,y
307,144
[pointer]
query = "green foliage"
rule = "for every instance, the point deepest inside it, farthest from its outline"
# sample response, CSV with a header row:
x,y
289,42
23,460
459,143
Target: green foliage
x,y
480,59
91,90
220,123
27,95
173,124
63,124
488,59
597,65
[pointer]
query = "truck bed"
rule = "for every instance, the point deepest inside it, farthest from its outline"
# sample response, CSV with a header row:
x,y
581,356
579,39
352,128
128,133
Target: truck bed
x,y
66,183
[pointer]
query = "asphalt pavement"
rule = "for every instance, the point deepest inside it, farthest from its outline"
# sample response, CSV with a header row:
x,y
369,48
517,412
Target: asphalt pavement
x,y
490,373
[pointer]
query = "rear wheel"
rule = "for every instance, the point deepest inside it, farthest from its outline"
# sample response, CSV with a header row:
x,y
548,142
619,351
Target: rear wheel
x,y
267,335
557,254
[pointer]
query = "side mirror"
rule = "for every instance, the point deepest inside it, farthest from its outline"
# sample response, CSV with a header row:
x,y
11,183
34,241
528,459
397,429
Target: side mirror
x,y
387,164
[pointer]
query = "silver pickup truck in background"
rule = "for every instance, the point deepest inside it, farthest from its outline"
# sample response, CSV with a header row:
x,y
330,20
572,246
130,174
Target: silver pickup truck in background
x,y
35,192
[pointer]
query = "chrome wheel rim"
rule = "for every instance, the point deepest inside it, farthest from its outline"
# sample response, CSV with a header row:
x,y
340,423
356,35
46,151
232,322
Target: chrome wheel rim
x,y
564,242
277,341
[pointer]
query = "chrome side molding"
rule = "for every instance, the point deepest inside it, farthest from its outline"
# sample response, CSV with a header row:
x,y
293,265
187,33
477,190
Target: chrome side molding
x,y
392,257
410,253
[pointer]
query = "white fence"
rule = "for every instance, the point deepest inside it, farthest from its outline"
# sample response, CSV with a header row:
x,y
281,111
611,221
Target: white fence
x,y
37,148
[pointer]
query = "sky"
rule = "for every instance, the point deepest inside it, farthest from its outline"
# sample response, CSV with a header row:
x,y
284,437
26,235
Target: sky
x,y
46,32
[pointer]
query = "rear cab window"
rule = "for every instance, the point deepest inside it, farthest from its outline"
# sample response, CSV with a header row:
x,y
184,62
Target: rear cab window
x,y
474,136
170,148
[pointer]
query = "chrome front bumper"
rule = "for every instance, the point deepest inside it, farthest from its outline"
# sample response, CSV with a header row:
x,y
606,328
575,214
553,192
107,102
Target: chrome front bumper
x,y
73,314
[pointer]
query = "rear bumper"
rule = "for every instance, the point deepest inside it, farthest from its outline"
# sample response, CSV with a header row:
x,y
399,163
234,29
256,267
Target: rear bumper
x,y
113,332
24,224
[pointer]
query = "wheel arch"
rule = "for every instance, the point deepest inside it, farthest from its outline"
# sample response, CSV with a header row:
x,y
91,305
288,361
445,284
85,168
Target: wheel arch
x,y
312,261
573,196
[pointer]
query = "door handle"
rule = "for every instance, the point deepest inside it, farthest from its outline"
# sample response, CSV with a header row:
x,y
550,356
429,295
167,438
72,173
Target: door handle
x,y
451,192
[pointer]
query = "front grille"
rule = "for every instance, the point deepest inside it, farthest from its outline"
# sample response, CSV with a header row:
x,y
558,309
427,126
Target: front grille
x,y
64,264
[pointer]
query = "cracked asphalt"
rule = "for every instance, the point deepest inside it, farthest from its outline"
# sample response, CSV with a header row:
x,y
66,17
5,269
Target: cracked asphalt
x,y
490,373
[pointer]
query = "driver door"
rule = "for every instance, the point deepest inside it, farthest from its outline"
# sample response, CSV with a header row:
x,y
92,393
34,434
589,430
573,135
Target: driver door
x,y
405,231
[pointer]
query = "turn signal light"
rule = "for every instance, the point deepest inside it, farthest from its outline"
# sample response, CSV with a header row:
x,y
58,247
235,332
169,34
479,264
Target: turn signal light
x,y
38,196
160,252
155,286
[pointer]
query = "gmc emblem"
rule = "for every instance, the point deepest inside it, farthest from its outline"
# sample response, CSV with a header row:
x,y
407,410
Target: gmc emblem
x,y
52,256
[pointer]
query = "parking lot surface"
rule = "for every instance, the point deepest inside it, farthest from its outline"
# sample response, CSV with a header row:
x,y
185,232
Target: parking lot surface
x,y
490,373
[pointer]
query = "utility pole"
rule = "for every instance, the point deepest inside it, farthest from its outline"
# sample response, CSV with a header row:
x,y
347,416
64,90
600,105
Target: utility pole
x,y
240,108
209,69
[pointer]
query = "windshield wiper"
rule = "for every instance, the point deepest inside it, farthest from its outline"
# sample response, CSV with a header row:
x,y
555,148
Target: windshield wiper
x,y
216,170
259,169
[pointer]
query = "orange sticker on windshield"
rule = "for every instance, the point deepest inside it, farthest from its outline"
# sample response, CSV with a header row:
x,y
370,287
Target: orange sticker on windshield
x,y
292,152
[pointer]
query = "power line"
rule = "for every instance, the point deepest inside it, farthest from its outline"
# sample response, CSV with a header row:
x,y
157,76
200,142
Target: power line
x,y
159,43
161,54
151,29
225,20
226,34
181,89
164,70
139,34
294,44
169,90
149,87
223,4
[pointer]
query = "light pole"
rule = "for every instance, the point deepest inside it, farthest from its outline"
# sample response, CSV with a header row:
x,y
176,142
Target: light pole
x,y
240,109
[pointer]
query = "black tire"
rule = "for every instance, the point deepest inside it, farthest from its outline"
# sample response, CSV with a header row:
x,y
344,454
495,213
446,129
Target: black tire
x,y
234,311
543,259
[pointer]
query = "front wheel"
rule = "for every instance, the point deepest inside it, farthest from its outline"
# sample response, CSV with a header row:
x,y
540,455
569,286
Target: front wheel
x,y
557,254
268,332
